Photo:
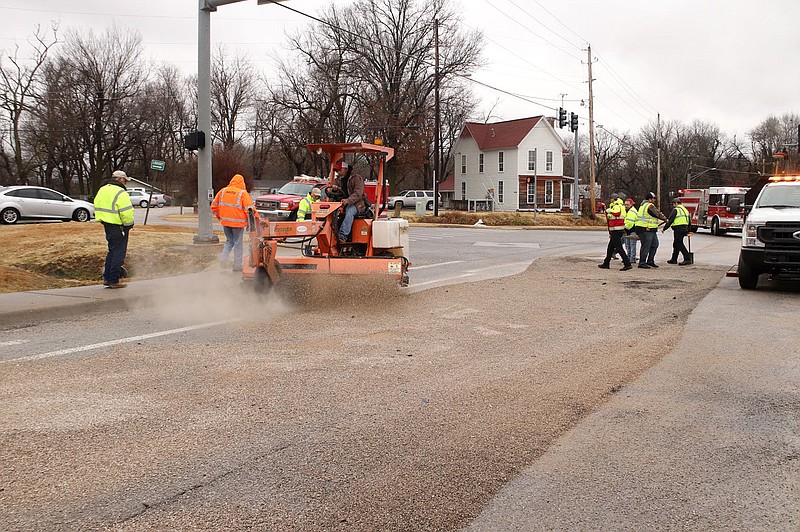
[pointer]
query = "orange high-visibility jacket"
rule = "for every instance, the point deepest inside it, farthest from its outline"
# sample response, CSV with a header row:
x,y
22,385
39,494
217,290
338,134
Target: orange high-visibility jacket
x,y
231,203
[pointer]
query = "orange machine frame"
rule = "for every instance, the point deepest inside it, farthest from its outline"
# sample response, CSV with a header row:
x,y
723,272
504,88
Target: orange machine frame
x,y
329,256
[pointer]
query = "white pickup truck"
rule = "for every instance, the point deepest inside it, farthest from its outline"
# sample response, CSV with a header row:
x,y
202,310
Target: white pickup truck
x,y
771,233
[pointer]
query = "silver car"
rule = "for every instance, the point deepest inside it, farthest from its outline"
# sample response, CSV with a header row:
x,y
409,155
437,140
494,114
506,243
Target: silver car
x,y
142,199
410,198
22,202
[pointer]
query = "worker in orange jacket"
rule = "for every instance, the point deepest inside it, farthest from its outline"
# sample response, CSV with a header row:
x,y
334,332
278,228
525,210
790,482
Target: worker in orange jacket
x,y
230,206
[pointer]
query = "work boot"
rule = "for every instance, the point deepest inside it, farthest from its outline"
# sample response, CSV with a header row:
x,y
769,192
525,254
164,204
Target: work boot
x,y
672,261
117,285
652,264
644,266
684,263
604,266
626,268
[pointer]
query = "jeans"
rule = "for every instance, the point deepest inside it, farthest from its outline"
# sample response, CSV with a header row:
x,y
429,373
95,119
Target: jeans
x,y
233,242
117,238
347,223
630,248
647,254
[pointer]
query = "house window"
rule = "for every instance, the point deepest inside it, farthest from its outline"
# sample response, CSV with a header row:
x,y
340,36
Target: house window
x,y
532,160
549,161
548,192
480,163
500,161
463,190
500,191
463,164
531,193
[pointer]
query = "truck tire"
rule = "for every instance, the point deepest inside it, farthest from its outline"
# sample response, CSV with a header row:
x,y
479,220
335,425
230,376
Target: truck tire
x,y
748,276
715,229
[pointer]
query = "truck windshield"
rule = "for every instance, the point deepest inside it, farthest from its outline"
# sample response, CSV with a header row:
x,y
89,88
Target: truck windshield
x,y
780,197
298,189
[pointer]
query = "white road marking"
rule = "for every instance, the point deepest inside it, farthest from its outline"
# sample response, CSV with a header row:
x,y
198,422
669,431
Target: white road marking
x,y
414,285
529,245
120,341
435,265
509,265
13,342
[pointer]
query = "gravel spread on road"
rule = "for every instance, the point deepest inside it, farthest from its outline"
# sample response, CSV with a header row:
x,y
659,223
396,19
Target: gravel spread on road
x,y
368,413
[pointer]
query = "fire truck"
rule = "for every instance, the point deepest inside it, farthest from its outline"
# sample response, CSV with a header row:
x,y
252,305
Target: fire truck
x,y
710,208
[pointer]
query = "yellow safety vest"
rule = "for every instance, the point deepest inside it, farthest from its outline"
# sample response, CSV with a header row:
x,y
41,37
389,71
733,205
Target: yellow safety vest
x,y
112,205
646,220
631,218
682,216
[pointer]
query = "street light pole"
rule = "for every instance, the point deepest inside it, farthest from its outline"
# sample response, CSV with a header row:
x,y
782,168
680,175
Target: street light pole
x,y
437,120
690,178
205,191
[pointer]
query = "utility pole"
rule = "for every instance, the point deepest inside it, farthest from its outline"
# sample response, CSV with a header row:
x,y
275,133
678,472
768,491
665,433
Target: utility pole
x,y
592,170
437,119
575,196
658,161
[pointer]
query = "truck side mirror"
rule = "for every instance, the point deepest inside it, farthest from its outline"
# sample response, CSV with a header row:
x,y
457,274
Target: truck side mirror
x,y
734,205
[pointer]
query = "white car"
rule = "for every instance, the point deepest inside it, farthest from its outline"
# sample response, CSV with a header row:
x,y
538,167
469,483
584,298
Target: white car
x,y
21,202
410,198
142,199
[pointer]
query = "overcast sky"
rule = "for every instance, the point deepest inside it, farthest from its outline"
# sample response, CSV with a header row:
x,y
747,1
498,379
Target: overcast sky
x,y
729,62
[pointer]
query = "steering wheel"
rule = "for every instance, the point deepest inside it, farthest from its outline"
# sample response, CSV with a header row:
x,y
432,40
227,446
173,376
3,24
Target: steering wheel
x,y
333,194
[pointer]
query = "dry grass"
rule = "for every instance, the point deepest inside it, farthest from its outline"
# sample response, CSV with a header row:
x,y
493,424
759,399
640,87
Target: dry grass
x,y
60,255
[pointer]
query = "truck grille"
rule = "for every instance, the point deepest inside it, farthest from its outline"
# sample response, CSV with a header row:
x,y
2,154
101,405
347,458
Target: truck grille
x,y
782,249
267,205
780,234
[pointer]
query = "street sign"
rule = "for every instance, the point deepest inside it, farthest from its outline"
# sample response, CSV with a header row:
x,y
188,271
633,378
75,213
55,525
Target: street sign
x,y
157,165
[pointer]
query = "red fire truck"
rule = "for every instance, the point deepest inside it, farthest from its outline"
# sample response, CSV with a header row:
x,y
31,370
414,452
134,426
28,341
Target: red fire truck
x,y
709,207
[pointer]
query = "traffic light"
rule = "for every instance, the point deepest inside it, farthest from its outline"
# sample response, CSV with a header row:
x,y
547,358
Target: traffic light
x,y
573,122
562,117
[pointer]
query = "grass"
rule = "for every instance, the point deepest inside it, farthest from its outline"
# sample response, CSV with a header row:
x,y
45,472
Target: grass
x,y
59,255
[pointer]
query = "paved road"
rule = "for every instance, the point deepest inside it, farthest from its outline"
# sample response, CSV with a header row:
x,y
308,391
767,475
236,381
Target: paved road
x,y
734,421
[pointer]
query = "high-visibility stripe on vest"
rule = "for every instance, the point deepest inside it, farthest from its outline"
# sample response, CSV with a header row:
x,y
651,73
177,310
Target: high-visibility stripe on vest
x,y
646,219
112,205
305,207
616,215
231,203
682,216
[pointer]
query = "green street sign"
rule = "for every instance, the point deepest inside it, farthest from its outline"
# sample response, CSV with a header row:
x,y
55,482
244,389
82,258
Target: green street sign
x,y
157,165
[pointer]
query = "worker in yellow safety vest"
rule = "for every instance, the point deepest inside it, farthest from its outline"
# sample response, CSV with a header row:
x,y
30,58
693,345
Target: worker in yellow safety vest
x,y
631,238
615,214
647,229
113,209
304,208
679,221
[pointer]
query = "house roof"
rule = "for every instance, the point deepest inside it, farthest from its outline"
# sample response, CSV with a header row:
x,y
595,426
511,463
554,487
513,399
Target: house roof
x,y
508,134
449,184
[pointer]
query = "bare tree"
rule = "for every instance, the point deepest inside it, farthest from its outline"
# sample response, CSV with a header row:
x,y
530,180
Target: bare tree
x,y
20,83
233,88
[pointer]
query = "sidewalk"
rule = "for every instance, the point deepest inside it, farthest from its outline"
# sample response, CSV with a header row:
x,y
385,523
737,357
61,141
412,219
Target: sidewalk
x,y
23,307
708,439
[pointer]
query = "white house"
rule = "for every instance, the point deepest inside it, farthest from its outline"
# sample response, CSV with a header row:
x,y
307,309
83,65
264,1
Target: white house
x,y
517,164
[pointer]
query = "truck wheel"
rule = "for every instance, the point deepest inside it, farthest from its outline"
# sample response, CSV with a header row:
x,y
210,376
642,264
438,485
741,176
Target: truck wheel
x,y
429,206
748,276
715,229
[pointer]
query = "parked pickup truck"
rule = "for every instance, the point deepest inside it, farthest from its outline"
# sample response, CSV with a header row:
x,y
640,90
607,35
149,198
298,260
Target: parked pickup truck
x,y
771,233
282,205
